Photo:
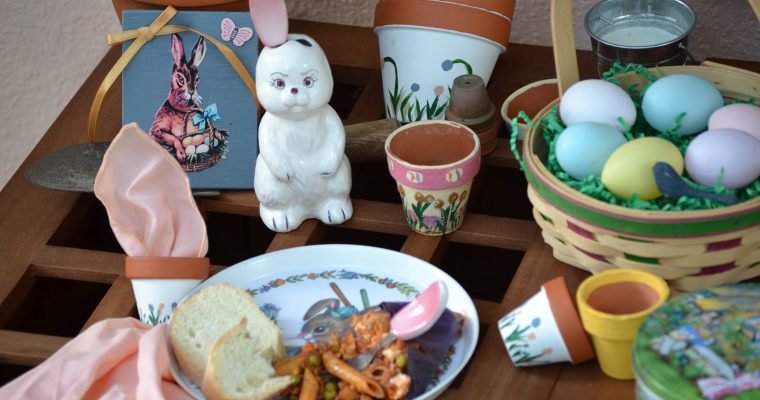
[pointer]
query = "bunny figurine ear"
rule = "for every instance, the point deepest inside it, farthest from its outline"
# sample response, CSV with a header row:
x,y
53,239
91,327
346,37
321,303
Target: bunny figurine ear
x,y
270,18
148,198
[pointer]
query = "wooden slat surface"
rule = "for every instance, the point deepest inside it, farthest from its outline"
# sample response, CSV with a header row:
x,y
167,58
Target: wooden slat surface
x,y
27,349
39,229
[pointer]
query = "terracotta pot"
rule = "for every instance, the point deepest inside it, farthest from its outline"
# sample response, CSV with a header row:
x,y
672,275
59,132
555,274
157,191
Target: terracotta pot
x,y
159,283
531,99
613,305
546,329
425,44
433,163
470,105
478,18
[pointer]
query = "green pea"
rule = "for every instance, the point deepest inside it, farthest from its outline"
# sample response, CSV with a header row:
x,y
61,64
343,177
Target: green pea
x,y
331,387
329,395
314,360
401,361
296,378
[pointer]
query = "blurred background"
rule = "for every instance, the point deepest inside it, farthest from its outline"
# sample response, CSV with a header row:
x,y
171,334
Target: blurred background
x,y
49,47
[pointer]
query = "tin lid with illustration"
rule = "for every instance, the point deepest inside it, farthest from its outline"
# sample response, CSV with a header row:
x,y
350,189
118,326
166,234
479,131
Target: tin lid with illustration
x,y
704,344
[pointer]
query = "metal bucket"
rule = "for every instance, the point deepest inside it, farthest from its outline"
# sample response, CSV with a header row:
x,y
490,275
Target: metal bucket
x,y
646,32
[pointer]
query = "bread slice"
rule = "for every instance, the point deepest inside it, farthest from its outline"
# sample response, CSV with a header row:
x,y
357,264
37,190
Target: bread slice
x,y
207,315
235,371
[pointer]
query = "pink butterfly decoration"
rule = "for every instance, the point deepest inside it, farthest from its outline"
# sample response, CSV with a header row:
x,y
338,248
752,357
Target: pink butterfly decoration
x,y
238,36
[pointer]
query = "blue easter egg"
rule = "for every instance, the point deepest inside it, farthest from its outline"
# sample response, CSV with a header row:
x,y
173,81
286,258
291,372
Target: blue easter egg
x,y
669,97
583,148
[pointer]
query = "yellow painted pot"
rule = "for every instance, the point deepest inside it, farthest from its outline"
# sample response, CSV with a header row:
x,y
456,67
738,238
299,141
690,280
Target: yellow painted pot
x,y
612,305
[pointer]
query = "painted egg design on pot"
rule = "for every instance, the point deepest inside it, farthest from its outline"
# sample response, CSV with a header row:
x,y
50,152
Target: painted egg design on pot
x,y
414,177
454,175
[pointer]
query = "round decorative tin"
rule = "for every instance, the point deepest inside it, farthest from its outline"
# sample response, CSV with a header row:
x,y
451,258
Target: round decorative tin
x,y
704,344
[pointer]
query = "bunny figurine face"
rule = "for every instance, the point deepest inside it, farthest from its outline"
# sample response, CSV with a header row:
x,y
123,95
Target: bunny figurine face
x,y
294,79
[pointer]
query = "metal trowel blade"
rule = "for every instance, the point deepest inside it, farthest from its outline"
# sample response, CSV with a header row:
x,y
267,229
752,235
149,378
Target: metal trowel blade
x,y
71,168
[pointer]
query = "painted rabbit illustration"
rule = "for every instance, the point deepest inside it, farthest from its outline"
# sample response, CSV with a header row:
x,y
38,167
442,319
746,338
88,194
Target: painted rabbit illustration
x,y
169,125
174,125
301,171
324,318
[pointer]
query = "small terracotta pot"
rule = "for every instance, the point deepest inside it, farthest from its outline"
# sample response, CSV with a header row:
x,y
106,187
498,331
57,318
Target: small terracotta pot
x,y
425,44
470,105
530,98
433,163
159,283
546,329
612,305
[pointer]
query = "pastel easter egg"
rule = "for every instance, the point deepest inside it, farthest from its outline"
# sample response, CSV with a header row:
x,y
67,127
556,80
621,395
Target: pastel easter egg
x,y
197,139
187,141
629,168
596,100
190,149
206,140
583,149
671,96
731,151
202,148
743,117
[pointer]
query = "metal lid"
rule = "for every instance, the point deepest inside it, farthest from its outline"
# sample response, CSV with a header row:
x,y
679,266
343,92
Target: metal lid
x,y
703,344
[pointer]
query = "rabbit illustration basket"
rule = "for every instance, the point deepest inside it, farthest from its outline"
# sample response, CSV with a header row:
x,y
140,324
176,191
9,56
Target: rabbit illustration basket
x,y
690,249
209,144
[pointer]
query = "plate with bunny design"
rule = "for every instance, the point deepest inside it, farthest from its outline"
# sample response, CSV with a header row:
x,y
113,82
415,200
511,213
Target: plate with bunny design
x,y
311,291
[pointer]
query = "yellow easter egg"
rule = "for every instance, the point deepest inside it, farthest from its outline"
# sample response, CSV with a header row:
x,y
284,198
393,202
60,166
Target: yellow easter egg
x,y
629,168
187,141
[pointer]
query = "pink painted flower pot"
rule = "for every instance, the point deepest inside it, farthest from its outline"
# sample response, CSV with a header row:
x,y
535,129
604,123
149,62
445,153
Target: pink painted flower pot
x,y
433,163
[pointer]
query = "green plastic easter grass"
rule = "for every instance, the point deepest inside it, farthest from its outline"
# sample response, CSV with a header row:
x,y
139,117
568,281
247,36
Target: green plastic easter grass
x,y
592,186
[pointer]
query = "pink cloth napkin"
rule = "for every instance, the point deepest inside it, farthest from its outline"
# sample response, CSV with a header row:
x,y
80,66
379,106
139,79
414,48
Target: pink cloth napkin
x,y
152,213
148,199
113,359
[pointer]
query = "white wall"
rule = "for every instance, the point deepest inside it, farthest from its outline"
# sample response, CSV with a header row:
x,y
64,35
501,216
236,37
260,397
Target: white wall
x,y
49,47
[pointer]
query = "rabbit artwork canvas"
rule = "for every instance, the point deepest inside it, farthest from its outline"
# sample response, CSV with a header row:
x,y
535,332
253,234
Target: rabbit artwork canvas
x,y
301,171
185,94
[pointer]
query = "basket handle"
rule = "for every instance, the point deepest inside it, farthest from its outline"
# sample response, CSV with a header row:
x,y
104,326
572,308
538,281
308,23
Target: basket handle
x,y
563,40
756,7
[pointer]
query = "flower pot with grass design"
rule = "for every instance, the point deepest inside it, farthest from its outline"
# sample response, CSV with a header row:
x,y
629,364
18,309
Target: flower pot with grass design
x,y
425,44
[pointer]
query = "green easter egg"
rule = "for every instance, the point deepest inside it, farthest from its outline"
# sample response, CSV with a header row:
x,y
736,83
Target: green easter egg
x,y
629,168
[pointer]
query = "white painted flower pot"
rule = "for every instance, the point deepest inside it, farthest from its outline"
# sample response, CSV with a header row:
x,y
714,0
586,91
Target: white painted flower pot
x,y
420,63
157,298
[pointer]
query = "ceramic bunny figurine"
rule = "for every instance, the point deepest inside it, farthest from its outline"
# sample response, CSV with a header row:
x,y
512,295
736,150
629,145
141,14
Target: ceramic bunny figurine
x,y
301,171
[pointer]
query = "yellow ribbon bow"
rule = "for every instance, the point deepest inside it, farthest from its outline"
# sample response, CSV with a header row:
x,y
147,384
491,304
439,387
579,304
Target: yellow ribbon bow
x,y
144,35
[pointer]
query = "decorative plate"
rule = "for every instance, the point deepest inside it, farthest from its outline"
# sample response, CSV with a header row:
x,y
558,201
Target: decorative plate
x,y
290,285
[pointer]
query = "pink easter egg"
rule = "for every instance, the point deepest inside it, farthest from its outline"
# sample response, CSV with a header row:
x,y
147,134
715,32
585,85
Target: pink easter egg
x,y
742,117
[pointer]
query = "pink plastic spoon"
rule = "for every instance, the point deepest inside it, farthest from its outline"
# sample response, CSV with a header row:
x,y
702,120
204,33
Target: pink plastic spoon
x,y
413,320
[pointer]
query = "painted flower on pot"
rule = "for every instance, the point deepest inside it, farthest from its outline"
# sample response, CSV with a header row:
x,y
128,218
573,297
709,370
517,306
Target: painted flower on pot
x,y
428,214
403,103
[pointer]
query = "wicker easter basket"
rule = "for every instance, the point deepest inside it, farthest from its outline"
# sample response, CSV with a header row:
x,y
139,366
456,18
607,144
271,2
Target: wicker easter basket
x,y
199,162
690,249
